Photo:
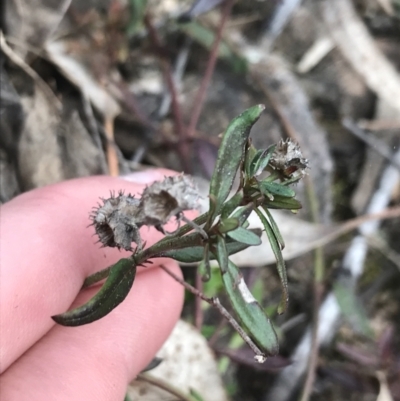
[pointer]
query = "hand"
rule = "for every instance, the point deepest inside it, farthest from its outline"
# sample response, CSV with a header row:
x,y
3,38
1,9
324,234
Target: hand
x,y
46,252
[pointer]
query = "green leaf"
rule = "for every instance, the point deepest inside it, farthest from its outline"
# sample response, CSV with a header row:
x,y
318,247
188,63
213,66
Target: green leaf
x,y
222,254
276,189
249,311
111,294
167,244
196,253
275,228
351,307
245,236
243,213
204,266
280,263
261,160
230,155
251,153
227,225
281,202
231,205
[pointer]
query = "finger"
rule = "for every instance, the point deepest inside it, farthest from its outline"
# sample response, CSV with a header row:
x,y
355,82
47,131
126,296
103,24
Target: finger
x,y
96,361
49,251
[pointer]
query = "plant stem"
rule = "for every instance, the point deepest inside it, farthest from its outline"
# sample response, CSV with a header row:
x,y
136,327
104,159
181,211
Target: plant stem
x,y
176,110
145,377
318,288
170,242
260,356
195,227
188,227
200,96
198,310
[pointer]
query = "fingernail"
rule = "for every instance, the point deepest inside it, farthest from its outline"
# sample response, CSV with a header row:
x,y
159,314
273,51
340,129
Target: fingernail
x,y
143,177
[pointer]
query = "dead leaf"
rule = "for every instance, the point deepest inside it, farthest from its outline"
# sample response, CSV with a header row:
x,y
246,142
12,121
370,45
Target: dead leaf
x,y
74,69
358,46
33,22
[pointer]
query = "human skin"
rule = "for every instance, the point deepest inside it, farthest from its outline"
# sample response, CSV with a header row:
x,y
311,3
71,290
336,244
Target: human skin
x,y
46,251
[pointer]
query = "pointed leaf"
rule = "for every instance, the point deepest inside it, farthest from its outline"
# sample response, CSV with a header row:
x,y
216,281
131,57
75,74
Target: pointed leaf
x,y
245,236
261,160
280,263
243,213
249,311
111,294
196,253
152,364
276,189
231,154
256,157
164,246
275,228
280,202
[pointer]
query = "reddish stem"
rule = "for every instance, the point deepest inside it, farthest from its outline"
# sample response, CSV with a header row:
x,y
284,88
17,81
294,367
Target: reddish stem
x,y
198,310
201,94
176,111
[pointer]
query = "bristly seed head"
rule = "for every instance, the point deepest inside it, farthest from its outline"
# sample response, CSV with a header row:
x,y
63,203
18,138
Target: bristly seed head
x,y
115,221
118,219
288,160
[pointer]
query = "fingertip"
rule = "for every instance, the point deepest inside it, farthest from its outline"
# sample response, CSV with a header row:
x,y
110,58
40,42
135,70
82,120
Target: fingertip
x,y
98,360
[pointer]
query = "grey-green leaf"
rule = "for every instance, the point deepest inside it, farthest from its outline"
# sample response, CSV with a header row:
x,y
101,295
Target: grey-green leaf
x,y
261,160
280,263
229,224
152,364
276,189
231,205
244,236
196,253
111,294
231,153
251,153
243,213
275,228
280,202
249,311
